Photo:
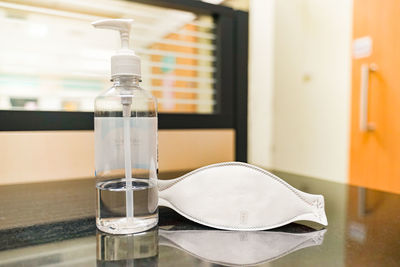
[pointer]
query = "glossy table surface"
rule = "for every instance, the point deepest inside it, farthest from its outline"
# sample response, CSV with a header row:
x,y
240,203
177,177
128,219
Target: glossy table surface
x,y
52,224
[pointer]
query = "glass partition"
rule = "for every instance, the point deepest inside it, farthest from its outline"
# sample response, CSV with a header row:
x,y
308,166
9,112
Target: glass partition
x,y
52,59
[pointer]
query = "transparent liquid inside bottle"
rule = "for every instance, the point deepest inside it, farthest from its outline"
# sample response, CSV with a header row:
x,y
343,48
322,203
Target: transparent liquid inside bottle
x,y
126,158
111,206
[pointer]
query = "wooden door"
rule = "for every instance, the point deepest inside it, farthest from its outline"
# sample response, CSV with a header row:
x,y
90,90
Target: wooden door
x,y
375,153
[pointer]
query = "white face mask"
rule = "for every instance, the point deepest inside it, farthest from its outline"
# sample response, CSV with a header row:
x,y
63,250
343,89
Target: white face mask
x,y
239,196
239,248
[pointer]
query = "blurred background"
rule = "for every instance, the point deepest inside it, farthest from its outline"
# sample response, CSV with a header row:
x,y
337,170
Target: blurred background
x,y
53,59
299,86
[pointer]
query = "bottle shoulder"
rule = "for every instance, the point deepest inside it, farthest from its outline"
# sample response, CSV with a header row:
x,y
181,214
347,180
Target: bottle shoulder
x,y
135,92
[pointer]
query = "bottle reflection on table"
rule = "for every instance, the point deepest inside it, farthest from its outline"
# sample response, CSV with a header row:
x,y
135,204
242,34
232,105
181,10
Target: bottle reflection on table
x,y
137,250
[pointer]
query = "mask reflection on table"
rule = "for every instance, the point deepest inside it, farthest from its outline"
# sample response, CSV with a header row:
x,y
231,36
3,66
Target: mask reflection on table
x,y
239,248
137,250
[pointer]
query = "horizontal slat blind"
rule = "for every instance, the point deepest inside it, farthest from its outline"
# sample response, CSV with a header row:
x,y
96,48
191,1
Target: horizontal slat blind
x,y
52,58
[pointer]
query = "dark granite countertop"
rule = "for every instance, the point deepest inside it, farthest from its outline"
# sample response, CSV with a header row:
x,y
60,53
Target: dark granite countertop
x,y
53,224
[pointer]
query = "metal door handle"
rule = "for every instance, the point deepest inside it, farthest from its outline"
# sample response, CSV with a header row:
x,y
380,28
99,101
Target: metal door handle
x,y
364,124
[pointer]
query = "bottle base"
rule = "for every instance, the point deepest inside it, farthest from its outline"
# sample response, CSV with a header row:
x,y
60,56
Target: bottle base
x,y
121,226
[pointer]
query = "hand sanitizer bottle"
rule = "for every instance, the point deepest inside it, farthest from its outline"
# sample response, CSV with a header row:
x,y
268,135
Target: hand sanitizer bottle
x,y
125,127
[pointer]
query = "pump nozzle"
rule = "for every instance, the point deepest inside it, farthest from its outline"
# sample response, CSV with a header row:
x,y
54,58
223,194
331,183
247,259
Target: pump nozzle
x,y
121,25
125,62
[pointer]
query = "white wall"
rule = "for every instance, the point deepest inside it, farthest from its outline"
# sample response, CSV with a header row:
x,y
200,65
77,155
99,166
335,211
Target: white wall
x,y
261,54
307,130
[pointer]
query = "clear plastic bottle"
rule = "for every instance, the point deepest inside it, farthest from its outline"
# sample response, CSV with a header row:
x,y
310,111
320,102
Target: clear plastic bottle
x,y
125,147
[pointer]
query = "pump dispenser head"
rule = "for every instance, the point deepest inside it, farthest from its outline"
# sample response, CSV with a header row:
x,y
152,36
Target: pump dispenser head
x,y
125,61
